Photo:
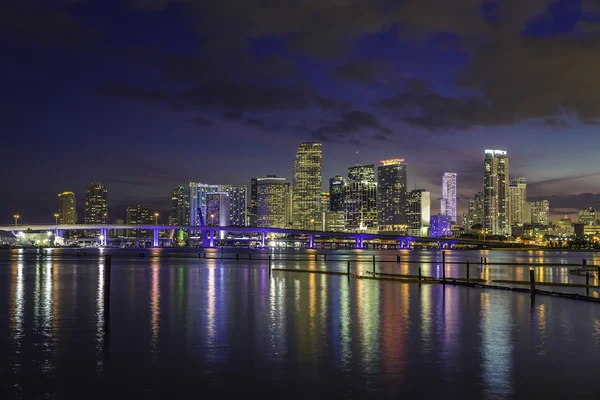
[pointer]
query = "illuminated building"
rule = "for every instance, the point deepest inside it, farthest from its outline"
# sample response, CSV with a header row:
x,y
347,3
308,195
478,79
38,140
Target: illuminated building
x,y
67,208
307,186
96,204
448,206
391,200
440,226
119,232
180,206
253,202
273,202
336,193
237,204
495,193
517,197
586,216
474,212
139,215
198,202
334,221
418,212
360,198
217,209
540,212
564,227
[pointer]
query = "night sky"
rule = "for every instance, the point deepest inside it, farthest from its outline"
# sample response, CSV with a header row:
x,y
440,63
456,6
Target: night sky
x,y
144,95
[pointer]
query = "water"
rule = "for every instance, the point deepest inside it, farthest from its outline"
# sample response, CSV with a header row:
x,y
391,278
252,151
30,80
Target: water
x,y
183,326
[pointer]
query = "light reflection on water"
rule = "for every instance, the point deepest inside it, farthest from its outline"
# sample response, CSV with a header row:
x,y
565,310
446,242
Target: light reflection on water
x,y
217,322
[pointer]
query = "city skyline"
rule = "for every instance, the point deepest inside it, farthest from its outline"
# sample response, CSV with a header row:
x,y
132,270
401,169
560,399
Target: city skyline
x,y
388,82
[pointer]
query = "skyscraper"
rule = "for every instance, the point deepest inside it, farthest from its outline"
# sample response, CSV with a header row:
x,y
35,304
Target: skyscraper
x,y
307,185
67,208
217,209
448,206
360,198
475,211
273,203
336,193
237,204
517,196
587,216
440,226
495,193
96,204
362,173
540,212
198,202
391,194
139,215
418,212
180,206
253,202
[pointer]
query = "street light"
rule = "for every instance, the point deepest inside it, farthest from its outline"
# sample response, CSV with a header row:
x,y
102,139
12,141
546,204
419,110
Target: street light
x,y
312,223
16,217
155,218
55,219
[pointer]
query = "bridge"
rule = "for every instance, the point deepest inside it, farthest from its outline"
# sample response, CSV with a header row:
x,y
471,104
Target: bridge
x,y
208,232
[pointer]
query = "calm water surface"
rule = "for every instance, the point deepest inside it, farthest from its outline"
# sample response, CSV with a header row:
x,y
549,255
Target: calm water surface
x,y
182,326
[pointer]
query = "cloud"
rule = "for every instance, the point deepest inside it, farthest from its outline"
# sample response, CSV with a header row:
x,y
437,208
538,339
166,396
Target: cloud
x,y
199,121
572,202
556,123
141,95
349,123
364,71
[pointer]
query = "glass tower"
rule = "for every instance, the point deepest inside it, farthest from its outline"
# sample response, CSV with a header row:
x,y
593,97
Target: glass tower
x,y
495,193
391,189
336,193
67,208
517,196
237,204
198,202
253,200
306,198
272,202
96,204
448,206
180,206
418,212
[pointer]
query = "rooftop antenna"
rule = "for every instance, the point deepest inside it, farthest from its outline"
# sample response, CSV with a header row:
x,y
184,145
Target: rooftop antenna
x,y
357,158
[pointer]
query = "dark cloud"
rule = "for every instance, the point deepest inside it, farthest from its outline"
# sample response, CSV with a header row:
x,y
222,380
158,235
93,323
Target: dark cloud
x,y
144,96
257,123
573,202
364,71
555,123
199,121
347,124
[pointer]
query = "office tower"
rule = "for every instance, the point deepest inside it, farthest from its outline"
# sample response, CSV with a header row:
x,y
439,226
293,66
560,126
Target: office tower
x,y
334,221
217,209
448,206
67,208
360,198
336,193
119,232
325,204
237,204
139,215
495,191
96,204
564,227
180,206
418,212
587,216
391,200
273,202
540,212
362,173
475,211
307,186
253,202
198,201
440,226
517,196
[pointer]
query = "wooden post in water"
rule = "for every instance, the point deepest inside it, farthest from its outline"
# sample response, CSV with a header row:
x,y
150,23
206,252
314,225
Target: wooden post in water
x,y
398,259
199,255
237,256
250,256
348,269
324,257
419,272
373,264
584,263
444,266
467,271
316,257
532,280
587,283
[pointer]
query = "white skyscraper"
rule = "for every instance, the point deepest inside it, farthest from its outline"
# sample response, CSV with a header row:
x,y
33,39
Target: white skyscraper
x,y
449,196
517,196
495,193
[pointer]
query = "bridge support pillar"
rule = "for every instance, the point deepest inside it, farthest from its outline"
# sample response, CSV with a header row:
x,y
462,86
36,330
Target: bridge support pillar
x,y
211,240
408,244
155,241
59,233
311,241
103,237
263,235
357,243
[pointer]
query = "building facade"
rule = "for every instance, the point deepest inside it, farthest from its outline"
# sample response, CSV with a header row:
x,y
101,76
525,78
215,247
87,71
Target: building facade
x,y
360,205
198,202
336,193
391,197
448,204
217,209
495,193
238,204
474,211
253,202
517,197
67,208
440,226
139,215
180,206
273,202
334,221
96,204
540,212
586,216
418,212
307,185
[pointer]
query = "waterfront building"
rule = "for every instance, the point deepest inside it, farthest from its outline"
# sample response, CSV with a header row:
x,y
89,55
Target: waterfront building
x,y
587,216
474,211
67,208
440,226
96,204
217,209
139,215
237,204
418,212
307,186
517,197
198,201
564,227
391,192
495,193
336,193
253,202
119,232
362,173
540,212
448,204
334,221
273,202
180,206
360,205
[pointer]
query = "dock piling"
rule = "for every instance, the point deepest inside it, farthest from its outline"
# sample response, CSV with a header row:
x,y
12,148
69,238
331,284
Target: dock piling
x,y
467,271
373,264
532,279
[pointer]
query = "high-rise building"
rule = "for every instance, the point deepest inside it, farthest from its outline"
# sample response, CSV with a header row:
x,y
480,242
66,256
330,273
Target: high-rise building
x,y
418,212
119,232
360,199
334,221
253,202
440,226
336,193
540,212
237,203
139,215
307,185
96,204
391,194
198,202
273,202
517,197
325,204
474,211
217,209
67,208
564,227
495,193
587,216
180,206
448,206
